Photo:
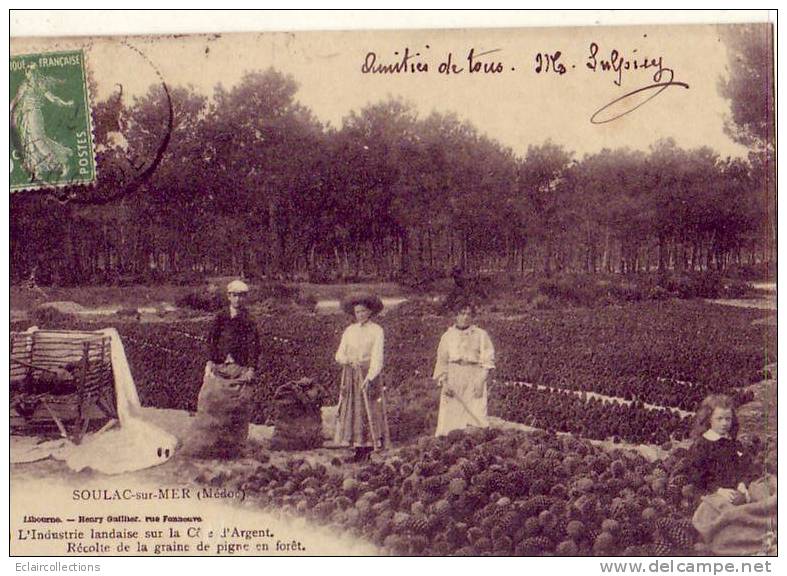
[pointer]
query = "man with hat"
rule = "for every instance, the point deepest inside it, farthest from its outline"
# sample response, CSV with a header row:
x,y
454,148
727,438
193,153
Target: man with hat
x,y
221,426
234,341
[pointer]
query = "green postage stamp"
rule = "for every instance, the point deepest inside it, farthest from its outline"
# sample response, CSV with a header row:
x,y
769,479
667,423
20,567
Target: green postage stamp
x,y
51,137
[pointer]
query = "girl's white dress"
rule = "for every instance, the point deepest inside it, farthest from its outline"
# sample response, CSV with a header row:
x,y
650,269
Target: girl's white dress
x,y
464,357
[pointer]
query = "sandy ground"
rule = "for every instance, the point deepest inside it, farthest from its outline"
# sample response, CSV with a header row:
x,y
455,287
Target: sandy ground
x,y
80,499
162,311
154,501
768,303
335,305
599,396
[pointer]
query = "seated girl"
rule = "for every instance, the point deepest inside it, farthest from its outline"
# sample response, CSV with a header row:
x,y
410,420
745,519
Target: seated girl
x,y
717,461
737,513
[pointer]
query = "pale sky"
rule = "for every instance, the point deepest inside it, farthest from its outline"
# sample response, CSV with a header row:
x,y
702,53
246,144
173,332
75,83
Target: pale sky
x,y
517,107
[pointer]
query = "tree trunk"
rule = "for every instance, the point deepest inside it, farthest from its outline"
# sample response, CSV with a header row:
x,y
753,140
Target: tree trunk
x,y
548,258
274,239
430,247
404,262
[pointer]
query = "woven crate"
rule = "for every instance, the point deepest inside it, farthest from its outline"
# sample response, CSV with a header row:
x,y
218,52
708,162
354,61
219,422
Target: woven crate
x,y
63,377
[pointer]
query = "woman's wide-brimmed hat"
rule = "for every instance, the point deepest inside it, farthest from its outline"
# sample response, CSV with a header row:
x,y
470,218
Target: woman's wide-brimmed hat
x,y
372,302
458,302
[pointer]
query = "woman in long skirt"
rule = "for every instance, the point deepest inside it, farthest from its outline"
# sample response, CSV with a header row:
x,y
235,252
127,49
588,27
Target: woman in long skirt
x,y
361,421
464,358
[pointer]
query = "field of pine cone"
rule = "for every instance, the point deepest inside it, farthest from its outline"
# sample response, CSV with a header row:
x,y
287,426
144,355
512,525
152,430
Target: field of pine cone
x,y
483,492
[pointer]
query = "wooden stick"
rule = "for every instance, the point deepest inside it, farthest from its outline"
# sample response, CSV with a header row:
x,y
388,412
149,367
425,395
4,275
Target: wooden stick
x,y
458,398
85,425
111,422
83,420
60,426
33,366
386,429
369,415
341,390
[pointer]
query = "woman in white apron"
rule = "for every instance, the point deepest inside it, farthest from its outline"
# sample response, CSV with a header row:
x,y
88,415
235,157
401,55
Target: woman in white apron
x,y
464,358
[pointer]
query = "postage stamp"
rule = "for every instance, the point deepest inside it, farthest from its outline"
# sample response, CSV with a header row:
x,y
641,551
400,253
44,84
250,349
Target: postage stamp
x,y
51,138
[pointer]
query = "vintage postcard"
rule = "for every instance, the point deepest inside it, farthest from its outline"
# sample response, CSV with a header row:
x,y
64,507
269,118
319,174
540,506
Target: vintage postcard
x,y
464,292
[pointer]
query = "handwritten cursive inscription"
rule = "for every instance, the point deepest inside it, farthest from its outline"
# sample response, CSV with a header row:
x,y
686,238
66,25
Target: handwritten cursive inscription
x,y
627,103
618,64
609,63
663,78
405,62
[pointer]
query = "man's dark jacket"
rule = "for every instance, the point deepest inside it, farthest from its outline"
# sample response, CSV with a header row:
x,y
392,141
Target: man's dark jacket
x,y
236,336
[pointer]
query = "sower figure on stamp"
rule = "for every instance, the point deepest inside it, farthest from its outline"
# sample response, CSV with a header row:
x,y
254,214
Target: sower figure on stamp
x,y
464,358
42,154
221,427
361,420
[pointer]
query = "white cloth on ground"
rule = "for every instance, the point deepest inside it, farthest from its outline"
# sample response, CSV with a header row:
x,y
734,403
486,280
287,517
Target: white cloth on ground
x,y
24,449
133,445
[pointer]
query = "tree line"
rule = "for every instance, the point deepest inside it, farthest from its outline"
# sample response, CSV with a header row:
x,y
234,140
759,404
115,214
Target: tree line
x,y
252,184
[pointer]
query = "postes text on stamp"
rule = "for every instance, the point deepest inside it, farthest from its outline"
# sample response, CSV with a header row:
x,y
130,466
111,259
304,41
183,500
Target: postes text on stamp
x,y
51,138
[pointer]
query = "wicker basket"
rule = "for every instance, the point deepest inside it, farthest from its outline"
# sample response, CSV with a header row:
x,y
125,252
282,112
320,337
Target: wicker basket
x,y
63,377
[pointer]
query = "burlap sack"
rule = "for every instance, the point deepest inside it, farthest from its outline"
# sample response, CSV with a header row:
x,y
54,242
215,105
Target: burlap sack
x,y
297,423
730,530
221,426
